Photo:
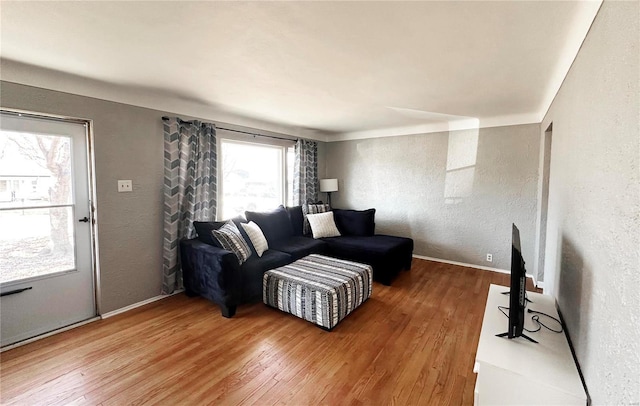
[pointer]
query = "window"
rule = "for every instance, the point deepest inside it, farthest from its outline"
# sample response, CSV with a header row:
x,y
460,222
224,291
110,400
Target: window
x,y
36,205
255,177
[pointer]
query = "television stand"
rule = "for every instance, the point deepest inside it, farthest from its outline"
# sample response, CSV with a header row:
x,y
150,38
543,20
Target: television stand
x,y
521,335
519,372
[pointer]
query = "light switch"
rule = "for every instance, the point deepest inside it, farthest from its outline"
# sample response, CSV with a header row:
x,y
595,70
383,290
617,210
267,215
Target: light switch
x,y
124,186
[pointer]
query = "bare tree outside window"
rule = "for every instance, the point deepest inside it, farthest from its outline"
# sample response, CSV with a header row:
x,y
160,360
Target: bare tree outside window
x,y
38,173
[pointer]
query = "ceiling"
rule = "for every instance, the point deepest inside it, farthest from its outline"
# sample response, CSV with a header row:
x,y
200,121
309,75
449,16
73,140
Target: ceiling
x,y
327,70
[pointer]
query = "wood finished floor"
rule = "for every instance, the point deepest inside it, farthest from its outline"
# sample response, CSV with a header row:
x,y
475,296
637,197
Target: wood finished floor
x,y
411,343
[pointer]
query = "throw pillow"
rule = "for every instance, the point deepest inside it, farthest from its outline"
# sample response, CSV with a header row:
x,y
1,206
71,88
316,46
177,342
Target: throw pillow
x,y
231,240
312,209
323,225
355,222
256,237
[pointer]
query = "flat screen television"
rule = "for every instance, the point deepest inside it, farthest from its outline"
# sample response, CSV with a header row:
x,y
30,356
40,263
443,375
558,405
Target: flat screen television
x,y
517,290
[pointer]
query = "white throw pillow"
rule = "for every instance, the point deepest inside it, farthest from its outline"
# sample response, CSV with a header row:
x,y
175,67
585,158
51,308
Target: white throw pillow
x,y
323,225
312,209
256,236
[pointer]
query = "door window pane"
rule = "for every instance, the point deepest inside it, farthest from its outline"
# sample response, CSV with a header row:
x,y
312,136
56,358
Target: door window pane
x,y
252,178
35,170
35,242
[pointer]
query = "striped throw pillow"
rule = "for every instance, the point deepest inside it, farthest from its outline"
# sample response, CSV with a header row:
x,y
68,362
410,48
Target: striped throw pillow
x,y
231,240
256,236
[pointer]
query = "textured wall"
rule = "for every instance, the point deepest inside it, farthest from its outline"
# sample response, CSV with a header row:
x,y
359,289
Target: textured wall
x,y
455,193
593,241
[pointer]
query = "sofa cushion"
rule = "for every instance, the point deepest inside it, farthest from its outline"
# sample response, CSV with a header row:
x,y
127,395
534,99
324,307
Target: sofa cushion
x,y
274,224
374,246
297,219
252,271
299,246
355,222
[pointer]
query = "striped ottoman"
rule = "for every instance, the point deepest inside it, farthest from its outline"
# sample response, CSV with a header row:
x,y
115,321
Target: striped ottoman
x,y
318,289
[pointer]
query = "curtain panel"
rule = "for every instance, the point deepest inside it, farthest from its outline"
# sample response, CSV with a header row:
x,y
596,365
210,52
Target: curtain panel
x,y
305,172
190,188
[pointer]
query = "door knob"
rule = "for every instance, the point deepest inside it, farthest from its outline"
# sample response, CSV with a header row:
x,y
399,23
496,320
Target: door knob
x,y
84,220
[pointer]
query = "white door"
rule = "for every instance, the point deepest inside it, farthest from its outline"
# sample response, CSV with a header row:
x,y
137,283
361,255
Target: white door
x,y
46,260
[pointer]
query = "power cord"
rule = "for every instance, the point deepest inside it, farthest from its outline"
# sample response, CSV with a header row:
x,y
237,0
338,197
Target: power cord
x,y
536,319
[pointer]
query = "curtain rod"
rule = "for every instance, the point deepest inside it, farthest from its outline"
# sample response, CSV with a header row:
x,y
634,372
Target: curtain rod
x,y
181,121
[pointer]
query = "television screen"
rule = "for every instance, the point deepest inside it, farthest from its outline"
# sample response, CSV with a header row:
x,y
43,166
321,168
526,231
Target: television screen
x,y
517,289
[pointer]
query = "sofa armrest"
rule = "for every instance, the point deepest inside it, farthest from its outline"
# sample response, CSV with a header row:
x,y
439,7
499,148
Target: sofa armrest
x,y
210,272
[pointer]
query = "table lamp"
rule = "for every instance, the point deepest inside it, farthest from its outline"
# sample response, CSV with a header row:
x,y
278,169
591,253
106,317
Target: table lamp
x,y
327,186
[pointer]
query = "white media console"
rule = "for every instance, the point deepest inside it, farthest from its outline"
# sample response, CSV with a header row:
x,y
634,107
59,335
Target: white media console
x,y
519,372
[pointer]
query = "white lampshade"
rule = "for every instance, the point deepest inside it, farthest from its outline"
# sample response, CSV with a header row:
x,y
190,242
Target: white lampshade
x,y
328,185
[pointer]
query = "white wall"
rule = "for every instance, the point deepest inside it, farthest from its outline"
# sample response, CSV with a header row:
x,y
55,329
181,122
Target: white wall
x,y
592,263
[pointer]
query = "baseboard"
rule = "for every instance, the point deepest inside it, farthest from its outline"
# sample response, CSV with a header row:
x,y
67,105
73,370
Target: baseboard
x,y
49,334
136,305
484,268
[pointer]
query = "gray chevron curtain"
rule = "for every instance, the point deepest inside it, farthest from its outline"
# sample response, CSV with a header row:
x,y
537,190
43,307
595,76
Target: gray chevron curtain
x,y
190,188
305,172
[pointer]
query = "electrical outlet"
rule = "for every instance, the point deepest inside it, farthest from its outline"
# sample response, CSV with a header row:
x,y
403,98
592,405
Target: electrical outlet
x,y
489,257
124,186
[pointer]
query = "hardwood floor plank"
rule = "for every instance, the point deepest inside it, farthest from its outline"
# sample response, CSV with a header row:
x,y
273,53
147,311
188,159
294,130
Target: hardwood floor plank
x,y
410,343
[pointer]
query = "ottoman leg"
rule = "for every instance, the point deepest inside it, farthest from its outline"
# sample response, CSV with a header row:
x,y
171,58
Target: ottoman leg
x,y
228,311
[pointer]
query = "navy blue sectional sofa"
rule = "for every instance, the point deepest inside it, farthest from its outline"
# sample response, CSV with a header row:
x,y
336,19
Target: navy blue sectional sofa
x,y
214,273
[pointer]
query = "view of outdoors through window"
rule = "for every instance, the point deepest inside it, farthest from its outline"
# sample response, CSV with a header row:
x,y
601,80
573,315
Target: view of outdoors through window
x,y
253,177
35,174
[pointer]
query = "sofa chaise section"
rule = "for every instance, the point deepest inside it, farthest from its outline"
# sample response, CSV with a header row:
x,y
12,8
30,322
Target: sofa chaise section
x,y
386,254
